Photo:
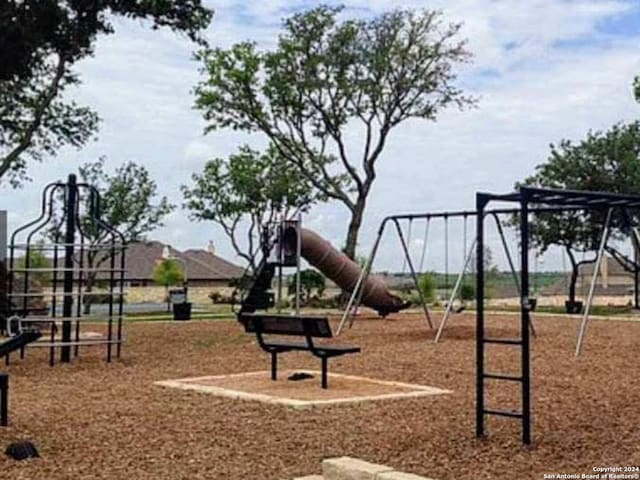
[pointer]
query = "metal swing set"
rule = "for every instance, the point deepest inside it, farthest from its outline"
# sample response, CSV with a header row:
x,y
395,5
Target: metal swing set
x,y
405,242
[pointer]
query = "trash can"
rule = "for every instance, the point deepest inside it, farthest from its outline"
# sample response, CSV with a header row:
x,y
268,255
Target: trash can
x,y
182,311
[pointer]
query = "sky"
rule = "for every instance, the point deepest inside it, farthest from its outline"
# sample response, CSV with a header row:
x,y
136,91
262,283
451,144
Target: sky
x,y
543,70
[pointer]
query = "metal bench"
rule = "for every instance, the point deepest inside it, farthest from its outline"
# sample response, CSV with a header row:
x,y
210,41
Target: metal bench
x,y
307,327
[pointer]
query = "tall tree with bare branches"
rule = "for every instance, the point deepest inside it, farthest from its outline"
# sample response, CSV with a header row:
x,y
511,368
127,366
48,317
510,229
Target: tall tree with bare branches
x,y
326,76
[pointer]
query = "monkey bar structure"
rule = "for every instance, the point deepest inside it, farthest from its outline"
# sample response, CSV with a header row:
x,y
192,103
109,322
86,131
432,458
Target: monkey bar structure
x,y
531,201
67,257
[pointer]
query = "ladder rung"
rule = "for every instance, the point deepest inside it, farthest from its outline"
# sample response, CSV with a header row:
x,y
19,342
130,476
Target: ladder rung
x,y
499,376
503,341
503,413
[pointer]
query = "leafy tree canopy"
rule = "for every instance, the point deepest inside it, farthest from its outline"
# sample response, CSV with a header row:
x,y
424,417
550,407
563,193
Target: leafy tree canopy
x,y
40,41
246,192
324,75
30,30
168,272
603,161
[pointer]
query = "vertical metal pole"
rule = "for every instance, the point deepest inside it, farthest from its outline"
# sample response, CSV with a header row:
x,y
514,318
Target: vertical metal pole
x,y
358,288
594,279
69,238
4,399
525,307
447,311
446,253
636,279
413,274
280,237
480,204
298,255
121,297
636,270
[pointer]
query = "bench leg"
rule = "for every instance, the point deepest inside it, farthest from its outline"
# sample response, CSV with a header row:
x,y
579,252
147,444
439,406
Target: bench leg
x,y
324,373
4,399
274,366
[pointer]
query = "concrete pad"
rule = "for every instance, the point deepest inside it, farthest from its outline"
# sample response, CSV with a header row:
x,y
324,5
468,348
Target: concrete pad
x,y
400,476
347,468
343,389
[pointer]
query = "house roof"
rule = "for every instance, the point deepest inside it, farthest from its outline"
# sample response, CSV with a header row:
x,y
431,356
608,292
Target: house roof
x,y
142,257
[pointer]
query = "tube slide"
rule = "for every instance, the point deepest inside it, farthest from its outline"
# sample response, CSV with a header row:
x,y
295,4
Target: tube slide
x,y
345,273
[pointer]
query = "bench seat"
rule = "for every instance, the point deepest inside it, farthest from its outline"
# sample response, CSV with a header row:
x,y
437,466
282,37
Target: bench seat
x,y
338,349
309,327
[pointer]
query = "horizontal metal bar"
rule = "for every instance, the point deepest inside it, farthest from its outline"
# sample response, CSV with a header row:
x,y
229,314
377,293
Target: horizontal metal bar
x,y
85,318
502,413
80,343
500,376
473,213
53,246
62,269
503,341
67,294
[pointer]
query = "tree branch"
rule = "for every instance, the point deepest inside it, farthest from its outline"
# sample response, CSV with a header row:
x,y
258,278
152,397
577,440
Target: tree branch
x,y
39,112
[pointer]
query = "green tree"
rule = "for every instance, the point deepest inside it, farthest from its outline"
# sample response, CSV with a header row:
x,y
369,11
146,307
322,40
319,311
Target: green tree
x,y
244,193
325,75
129,202
41,42
636,88
310,280
168,272
603,161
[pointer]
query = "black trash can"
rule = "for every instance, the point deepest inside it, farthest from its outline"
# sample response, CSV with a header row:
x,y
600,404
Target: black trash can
x,y
182,311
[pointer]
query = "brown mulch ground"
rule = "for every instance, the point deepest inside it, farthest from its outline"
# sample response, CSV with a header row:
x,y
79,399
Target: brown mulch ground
x,y
91,420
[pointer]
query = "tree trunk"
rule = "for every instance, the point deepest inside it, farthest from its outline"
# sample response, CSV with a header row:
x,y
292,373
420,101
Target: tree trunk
x,y
354,228
575,270
574,280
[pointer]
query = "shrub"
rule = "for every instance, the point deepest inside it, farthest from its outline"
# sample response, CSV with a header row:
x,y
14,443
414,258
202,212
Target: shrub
x,y
467,291
427,284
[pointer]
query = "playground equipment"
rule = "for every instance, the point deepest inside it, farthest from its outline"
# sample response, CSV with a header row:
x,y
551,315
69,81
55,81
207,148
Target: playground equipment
x,y
283,246
81,250
531,201
358,293
288,245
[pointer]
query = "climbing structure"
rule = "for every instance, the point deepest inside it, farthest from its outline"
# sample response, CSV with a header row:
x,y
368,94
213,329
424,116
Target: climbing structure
x,y
64,268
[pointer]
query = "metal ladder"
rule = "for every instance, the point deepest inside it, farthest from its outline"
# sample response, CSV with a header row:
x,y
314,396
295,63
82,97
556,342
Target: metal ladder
x,y
524,378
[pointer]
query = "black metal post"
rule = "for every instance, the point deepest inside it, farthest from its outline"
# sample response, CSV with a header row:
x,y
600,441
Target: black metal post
x,y
636,284
274,366
525,307
480,204
69,239
4,399
325,383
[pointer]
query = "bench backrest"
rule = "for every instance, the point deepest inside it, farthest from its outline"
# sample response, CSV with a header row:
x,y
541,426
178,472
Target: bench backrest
x,y
286,325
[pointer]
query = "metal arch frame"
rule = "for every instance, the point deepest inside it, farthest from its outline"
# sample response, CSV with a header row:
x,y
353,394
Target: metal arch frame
x,y
528,198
